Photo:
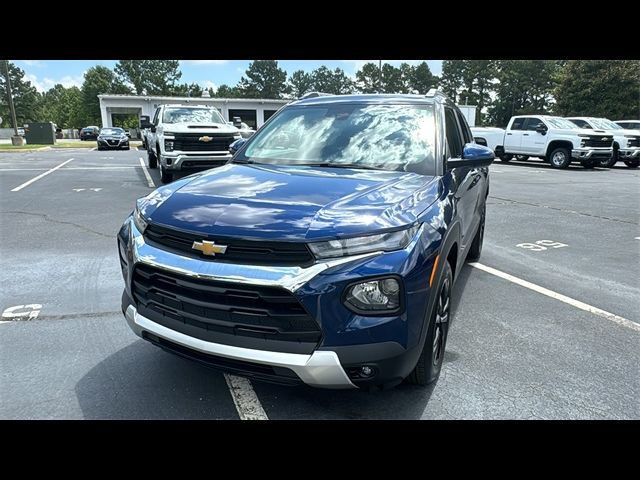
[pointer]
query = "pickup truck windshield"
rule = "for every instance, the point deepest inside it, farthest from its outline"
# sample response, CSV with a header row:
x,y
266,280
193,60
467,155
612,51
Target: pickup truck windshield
x,y
192,115
605,124
559,122
387,137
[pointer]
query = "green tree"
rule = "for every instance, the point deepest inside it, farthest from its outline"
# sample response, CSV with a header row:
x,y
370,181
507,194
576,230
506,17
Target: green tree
x,y
98,80
599,88
62,106
368,78
335,81
25,96
188,90
264,80
452,78
420,78
225,91
402,79
149,77
300,83
523,87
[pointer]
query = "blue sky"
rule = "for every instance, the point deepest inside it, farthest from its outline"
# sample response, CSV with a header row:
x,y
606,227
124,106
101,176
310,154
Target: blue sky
x,y
44,74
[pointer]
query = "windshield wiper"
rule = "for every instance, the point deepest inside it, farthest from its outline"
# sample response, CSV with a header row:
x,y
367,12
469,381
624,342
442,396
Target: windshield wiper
x,y
340,165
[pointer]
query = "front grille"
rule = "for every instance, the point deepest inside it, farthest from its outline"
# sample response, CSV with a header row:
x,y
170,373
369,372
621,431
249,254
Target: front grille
x,y
203,163
190,142
247,252
229,310
598,142
634,142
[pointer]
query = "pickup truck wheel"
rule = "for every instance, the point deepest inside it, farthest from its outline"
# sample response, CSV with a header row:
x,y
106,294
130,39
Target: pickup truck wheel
x,y
152,160
632,163
522,158
165,177
560,158
506,157
429,364
476,246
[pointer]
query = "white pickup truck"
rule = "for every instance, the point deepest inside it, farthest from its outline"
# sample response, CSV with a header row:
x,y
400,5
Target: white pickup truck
x,y
626,142
554,139
187,137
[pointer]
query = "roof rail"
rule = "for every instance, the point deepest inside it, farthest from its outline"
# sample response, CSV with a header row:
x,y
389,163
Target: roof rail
x,y
434,91
313,94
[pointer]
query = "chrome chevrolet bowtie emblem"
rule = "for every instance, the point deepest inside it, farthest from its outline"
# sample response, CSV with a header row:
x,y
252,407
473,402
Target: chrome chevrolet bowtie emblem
x,y
205,139
209,248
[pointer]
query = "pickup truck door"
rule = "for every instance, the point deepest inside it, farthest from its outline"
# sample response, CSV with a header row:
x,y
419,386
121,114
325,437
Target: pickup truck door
x,y
533,142
513,136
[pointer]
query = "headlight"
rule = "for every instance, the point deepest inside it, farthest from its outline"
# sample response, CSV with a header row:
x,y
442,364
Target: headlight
x,y
370,243
376,296
168,145
138,219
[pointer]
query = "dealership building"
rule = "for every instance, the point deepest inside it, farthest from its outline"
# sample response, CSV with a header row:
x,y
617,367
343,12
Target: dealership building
x,y
253,111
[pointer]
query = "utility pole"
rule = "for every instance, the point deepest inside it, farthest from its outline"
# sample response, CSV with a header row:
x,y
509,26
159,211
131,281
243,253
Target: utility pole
x,y
15,139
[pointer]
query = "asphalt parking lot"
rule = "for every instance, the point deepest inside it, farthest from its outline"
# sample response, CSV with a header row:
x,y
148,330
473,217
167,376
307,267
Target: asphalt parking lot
x,y
548,326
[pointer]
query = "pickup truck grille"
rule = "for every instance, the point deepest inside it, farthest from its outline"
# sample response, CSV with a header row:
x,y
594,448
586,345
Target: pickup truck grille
x,y
248,252
207,307
598,142
190,142
634,142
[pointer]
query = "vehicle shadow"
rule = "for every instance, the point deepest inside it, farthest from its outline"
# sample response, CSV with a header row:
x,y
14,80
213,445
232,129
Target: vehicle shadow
x,y
540,164
141,381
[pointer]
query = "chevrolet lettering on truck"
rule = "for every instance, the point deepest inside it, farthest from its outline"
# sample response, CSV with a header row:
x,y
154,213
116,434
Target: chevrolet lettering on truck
x,y
324,253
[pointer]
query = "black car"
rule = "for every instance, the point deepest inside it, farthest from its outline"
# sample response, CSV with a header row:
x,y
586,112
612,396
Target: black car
x,y
89,133
113,138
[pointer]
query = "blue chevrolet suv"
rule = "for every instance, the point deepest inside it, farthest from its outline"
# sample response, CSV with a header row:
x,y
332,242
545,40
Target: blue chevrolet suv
x,y
323,253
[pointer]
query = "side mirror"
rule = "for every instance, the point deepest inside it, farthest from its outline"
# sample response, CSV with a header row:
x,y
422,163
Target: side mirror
x,y
473,155
237,145
145,123
480,141
542,130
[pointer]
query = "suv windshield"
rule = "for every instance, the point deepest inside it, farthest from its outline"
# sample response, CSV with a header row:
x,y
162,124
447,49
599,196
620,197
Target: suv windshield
x,y
388,137
559,122
111,131
604,123
191,115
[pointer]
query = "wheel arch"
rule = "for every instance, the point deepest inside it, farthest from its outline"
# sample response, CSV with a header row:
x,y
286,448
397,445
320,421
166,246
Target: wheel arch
x,y
558,144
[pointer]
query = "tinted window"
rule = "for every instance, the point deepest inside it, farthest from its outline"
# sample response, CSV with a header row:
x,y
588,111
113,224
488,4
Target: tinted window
x,y
389,137
532,124
517,124
464,127
580,123
453,134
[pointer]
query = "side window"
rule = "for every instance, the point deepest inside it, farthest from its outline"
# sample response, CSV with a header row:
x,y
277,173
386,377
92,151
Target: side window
x,y
467,137
580,123
155,117
453,134
517,124
533,123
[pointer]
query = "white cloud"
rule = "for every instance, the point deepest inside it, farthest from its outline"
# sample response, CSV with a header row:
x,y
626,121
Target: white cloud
x,y
33,63
205,62
46,83
209,84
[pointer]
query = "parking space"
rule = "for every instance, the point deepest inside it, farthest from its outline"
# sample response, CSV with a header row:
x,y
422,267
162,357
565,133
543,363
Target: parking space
x,y
513,351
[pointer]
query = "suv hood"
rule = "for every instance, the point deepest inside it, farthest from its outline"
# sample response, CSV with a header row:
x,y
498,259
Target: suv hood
x,y
291,203
199,128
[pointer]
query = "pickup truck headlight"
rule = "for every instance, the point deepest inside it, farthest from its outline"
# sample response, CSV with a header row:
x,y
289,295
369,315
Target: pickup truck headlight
x,y
168,145
378,296
369,243
138,219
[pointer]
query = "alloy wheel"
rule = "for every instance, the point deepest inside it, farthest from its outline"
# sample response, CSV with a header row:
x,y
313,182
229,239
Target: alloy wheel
x,y
441,322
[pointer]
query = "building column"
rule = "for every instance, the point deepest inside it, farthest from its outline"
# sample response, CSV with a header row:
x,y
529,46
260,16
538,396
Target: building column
x,y
104,114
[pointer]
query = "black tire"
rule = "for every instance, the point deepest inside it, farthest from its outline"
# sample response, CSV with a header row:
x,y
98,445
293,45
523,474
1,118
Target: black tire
x,y
152,160
588,164
427,370
506,157
476,246
165,176
560,158
632,163
522,158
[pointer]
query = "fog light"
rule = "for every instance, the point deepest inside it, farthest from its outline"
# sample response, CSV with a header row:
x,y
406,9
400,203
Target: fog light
x,y
366,371
169,161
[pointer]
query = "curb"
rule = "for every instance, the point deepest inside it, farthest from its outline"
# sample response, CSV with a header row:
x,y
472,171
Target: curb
x,y
26,150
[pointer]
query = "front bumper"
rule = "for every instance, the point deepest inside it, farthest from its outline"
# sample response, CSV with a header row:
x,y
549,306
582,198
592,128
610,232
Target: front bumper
x,y
106,144
188,161
629,153
321,368
591,153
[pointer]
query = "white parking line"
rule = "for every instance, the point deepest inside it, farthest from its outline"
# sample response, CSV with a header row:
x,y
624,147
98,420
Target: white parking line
x,y
245,399
558,296
119,167
146,174
29,182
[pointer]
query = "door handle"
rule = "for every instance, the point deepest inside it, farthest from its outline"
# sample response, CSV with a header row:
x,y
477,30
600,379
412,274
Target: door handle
x,y
525,134
509,134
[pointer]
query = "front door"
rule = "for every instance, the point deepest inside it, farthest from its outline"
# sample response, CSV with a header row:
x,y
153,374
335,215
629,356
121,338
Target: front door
x,y
513,136
533,142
